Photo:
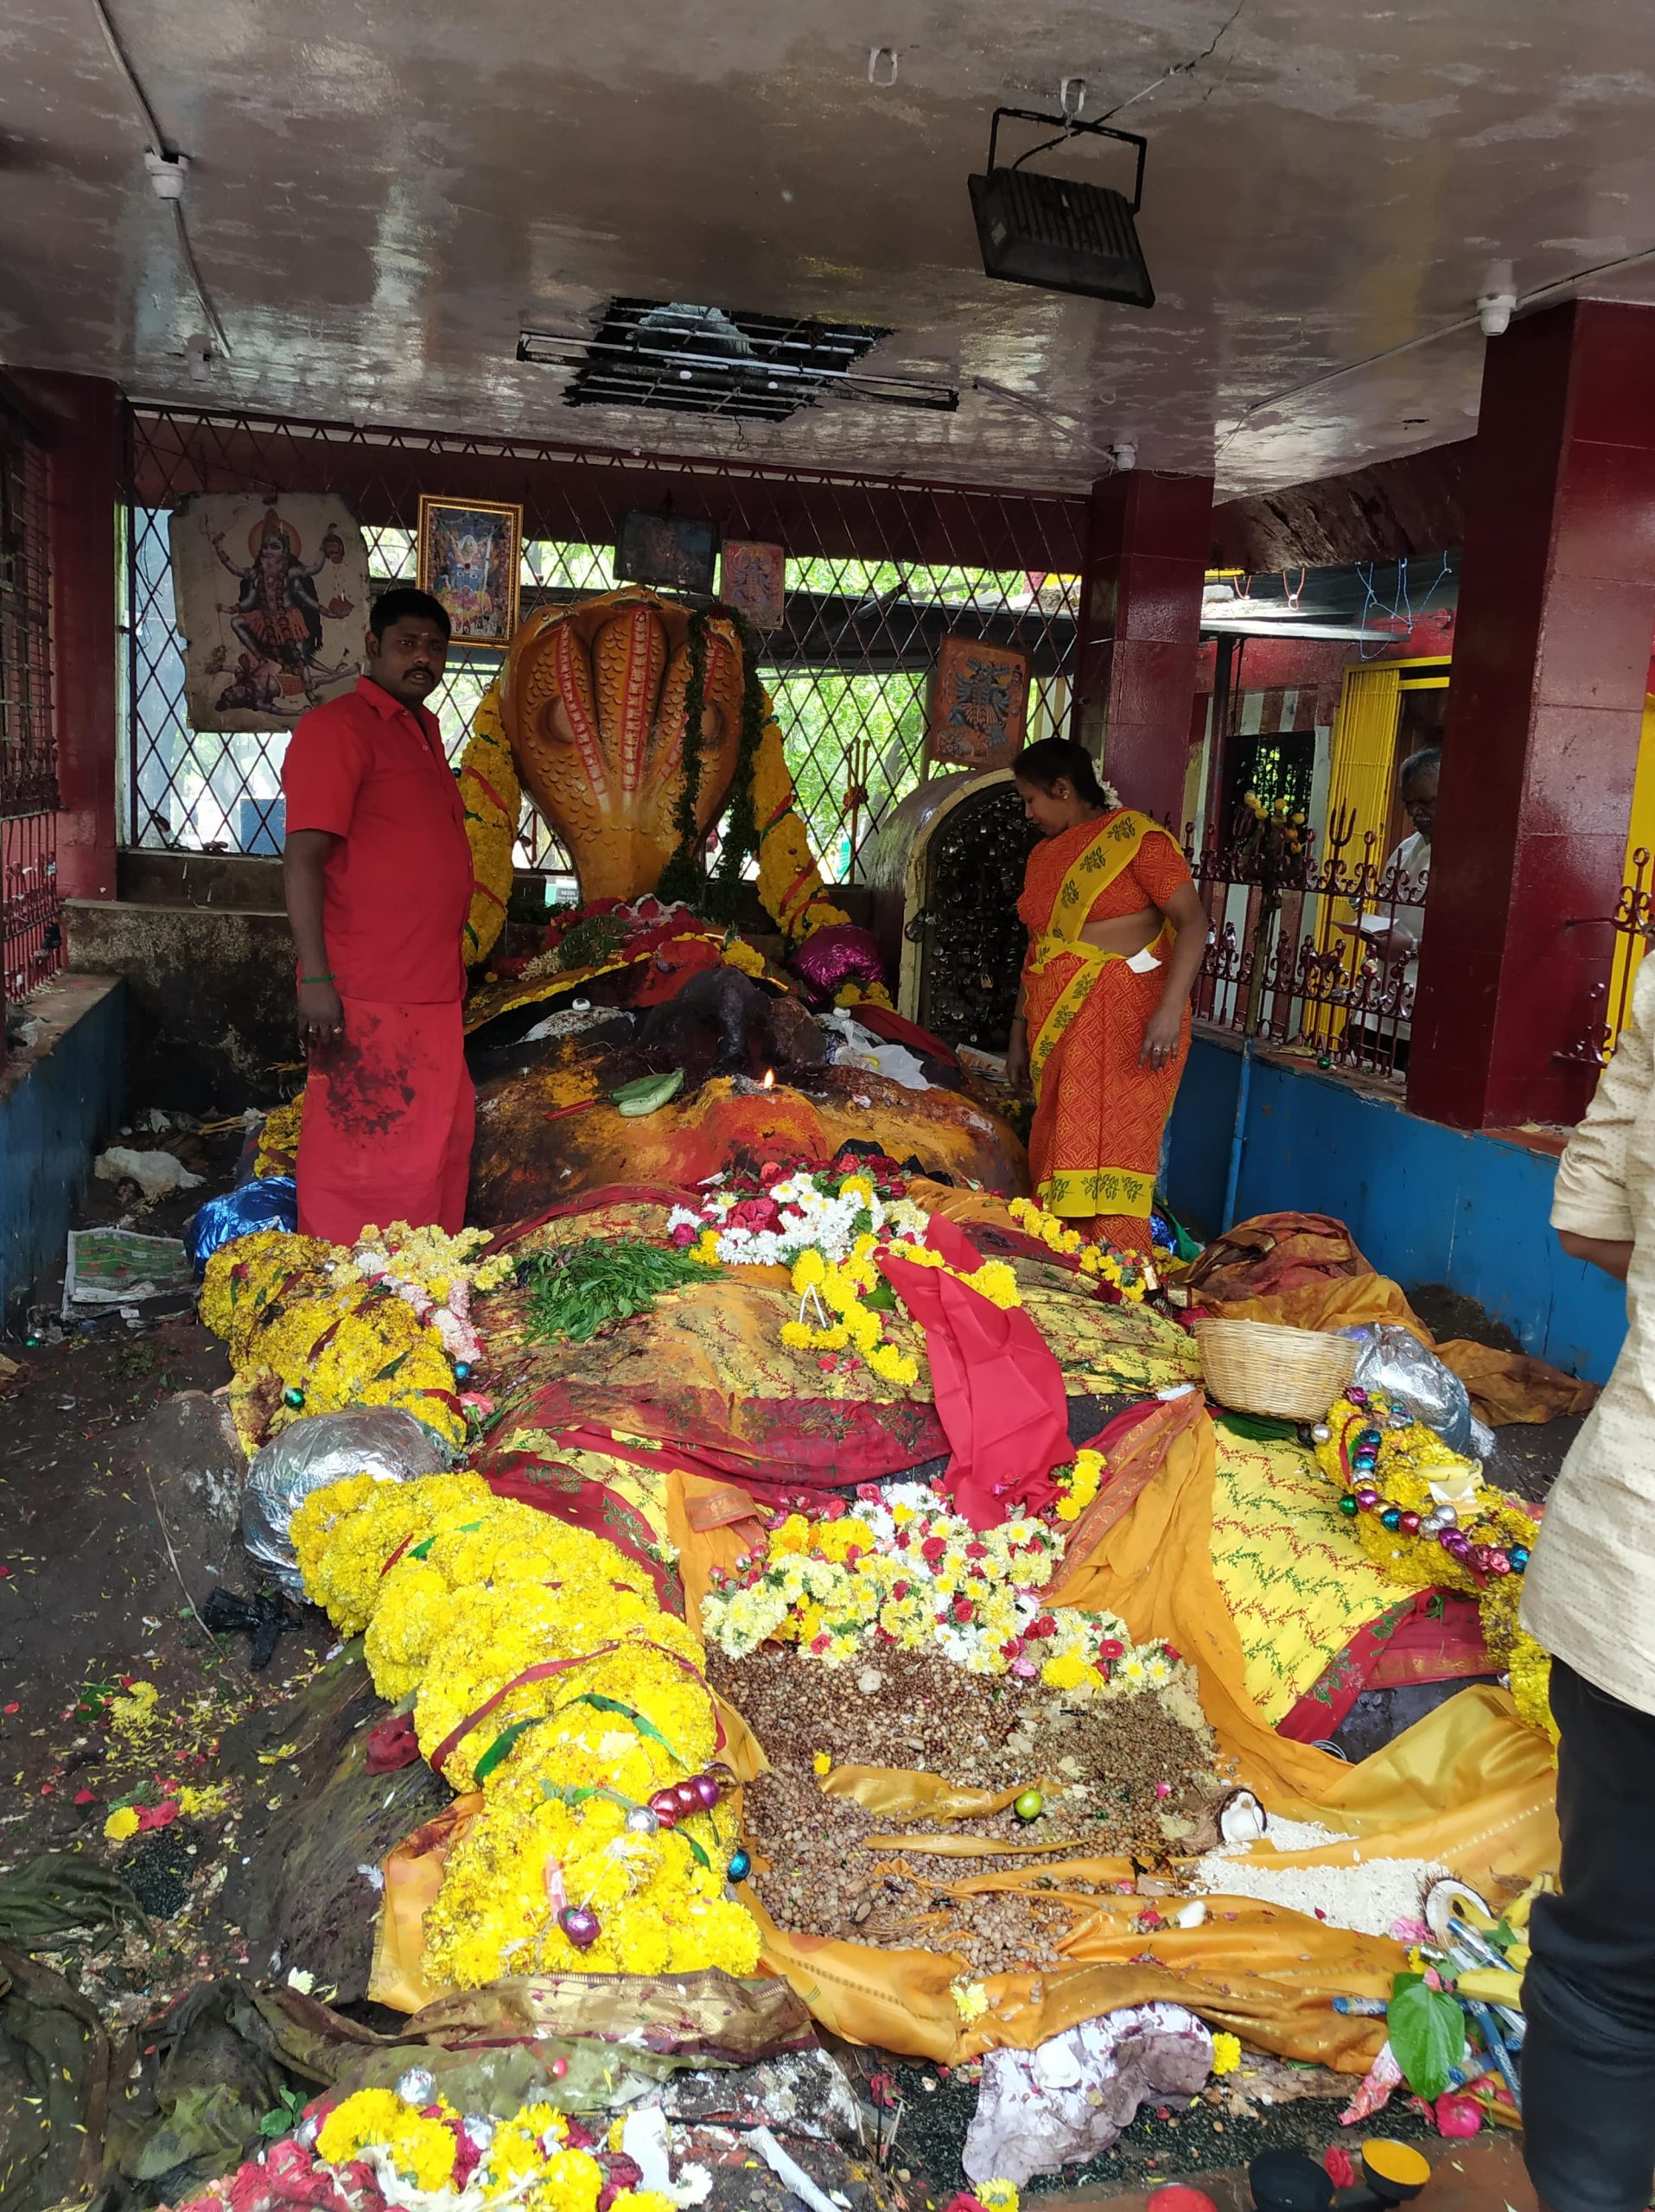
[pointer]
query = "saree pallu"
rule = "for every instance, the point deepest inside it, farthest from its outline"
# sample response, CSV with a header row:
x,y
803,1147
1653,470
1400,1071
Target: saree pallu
x,y
389,1113
1095,1147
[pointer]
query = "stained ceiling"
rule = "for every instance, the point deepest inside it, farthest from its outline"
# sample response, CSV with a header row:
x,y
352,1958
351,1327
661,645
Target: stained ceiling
x,y
383,192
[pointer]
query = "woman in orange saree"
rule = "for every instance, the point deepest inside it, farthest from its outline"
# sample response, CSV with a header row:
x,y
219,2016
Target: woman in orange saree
x,y
1115,934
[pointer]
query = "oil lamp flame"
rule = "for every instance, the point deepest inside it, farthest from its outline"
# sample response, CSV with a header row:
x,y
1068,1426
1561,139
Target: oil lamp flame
x,y
769,1082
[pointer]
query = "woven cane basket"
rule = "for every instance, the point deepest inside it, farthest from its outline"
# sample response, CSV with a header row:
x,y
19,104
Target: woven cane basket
x,y
1259,1367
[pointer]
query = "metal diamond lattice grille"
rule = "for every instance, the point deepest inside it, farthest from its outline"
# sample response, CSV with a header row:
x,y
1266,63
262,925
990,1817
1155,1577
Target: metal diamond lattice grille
x,y
877,574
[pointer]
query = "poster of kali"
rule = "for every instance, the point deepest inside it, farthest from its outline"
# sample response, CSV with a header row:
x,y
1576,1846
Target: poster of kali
x,y
271,598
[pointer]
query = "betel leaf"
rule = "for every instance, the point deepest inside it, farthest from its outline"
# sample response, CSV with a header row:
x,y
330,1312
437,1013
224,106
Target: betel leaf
x,y
1428,2034
602,1704
502,1744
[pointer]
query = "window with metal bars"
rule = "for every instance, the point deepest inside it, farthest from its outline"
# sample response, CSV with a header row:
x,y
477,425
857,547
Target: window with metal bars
x,y
31,935
878,573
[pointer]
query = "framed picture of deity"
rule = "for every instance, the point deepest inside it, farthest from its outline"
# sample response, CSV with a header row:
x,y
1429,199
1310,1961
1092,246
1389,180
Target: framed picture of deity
x,y
979,704
672,552
271,597
469,557
752,579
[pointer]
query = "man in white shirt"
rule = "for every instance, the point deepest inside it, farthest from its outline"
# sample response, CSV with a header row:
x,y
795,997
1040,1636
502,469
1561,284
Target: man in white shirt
x,y
1588,2058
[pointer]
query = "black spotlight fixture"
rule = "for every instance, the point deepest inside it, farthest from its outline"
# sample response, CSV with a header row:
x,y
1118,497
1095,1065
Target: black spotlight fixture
x,y
1063,235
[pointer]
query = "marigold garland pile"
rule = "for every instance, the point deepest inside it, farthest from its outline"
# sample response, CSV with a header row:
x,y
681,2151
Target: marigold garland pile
x,y
313,1328
1425,1516
603,1842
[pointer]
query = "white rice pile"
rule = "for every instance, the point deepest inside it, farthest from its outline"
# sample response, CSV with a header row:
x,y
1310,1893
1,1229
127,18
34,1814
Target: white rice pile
x,y
1368,1898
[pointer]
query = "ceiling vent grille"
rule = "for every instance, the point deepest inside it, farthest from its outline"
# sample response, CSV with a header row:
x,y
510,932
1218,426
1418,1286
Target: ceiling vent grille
x,y
685,360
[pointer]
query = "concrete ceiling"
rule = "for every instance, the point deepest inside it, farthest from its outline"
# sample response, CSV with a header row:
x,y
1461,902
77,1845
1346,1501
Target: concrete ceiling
x,y
382,191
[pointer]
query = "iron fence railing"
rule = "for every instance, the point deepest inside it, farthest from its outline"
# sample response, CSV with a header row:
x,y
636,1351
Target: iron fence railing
x,y
878,571
1317,955
31,909
1630,929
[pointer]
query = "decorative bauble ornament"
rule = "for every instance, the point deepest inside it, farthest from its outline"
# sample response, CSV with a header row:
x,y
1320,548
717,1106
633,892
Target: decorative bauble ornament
x,y
1519,1556
1409,1524
687,1798
1348,1506
1448,1516
740,1865
1367,1498
643,1820
463,1371
1399,1420
1499,1562
664,1806
293,1397
581,1924
1029,1805
1391,1516
1456,1543
559,2068
1322,1434
707,1790
1357,1396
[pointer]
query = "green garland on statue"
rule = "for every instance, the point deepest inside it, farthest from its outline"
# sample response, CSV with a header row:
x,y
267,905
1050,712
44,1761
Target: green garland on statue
x,y
684,878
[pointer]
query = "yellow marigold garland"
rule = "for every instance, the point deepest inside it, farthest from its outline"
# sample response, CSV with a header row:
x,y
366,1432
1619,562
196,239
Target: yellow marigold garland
x,y
790,883
1133,1277
462,1595
1413,1479
491,794
278,1140
308,1334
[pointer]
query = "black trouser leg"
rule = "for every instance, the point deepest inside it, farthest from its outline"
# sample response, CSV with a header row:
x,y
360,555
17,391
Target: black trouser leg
x,y
1588,2058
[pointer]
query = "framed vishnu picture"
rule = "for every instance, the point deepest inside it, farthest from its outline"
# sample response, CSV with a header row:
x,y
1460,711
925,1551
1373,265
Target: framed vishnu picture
x,y
469,557
752,578
979,704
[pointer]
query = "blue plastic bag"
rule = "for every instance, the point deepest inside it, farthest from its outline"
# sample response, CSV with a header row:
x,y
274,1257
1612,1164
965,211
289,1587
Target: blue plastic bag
x,y
268,1202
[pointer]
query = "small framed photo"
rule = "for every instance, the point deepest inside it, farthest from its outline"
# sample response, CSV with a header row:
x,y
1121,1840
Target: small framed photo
x,y
672,552
469,558
752,579
979,704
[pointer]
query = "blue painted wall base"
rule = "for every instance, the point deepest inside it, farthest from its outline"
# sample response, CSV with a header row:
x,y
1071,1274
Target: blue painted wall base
x,y
60,1099
1427,1205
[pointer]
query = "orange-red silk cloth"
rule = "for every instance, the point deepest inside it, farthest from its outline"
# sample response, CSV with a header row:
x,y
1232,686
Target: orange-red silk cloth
x,y
998,1387
1095,1146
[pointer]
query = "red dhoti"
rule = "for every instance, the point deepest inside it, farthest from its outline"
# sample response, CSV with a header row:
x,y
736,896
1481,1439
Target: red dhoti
x,y
388,1118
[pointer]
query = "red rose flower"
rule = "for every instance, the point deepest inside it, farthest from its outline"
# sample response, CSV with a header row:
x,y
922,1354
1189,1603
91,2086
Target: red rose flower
x,y
962,1610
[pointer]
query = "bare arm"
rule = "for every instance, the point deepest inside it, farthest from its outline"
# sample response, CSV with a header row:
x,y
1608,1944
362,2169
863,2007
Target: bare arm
x,y
1609,1253
1017,1050
1164,1027
321,1016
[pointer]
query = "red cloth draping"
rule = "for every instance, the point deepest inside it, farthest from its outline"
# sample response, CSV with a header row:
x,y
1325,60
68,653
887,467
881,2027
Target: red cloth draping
x,y
998,1387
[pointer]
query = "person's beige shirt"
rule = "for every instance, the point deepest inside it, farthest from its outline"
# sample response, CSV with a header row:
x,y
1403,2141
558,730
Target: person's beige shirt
x,y
1590,1596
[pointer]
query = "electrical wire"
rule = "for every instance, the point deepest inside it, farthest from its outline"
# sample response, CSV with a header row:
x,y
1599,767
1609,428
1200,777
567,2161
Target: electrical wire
x,y
163,147
1424,338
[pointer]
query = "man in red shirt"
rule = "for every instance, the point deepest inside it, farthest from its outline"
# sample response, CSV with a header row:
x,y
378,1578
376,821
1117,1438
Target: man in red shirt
x,y
378,879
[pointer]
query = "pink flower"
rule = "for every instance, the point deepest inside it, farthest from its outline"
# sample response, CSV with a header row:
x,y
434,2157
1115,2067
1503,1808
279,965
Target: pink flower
x,y
1109,1648
1340,2167
1457,2115
685,1233
756,1214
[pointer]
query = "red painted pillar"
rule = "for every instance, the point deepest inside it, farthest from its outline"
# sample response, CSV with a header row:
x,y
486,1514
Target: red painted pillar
x,y
80,419
1540,747
1140,627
